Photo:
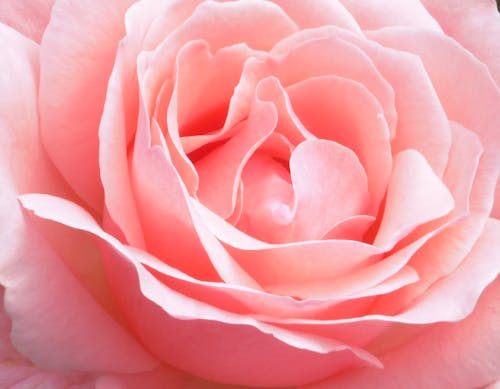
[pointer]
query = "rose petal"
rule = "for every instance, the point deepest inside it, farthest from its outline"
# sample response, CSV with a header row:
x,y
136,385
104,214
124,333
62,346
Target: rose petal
x,y
415,195
205,84
116,130
286,265
168,228
51,328
28,17
475,25
19,134
332,56
76,55
462,354
318,13
468,95
161,312
373,14
329,185
414,93
347,113
220,170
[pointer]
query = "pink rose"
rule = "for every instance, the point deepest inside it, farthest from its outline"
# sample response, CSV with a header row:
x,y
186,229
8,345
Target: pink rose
x,y
259,193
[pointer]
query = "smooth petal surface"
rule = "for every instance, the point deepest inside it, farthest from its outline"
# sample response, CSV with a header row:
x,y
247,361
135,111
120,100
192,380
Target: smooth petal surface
x,y
220,170
77,55
415,195
329,185
463,354
51,328
468,94
348,114
196,346
28,17
374,14
318,13
67,331
474,24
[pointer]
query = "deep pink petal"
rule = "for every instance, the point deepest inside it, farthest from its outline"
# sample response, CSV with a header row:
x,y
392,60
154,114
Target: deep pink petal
x,y
220,170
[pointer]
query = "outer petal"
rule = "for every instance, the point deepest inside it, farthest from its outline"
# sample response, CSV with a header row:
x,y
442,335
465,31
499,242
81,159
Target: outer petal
x,y
467,92
77,55
186,333
473,23
458,355
373,14
27,16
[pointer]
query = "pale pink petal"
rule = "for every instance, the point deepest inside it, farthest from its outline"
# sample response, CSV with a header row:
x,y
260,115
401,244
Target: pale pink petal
x,y
282,265
259,24
220,170
267,198
62,331
317,13
116,130
347,113
415,195
22,155
329,185
26,16
474,24
467,92
373,14
187,333
463,161
462,354
444,252
410,86
77,55
438,257
414,93
330,55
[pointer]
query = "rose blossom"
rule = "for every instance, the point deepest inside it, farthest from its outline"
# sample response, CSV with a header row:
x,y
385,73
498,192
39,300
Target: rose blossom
x,y
259,193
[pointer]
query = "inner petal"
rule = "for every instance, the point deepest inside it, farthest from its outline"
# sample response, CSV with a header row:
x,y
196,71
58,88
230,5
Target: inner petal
x,y
346,112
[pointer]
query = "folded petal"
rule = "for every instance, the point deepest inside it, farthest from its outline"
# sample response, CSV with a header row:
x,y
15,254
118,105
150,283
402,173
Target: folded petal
x,y
186,333
462,354
415,195
59,327
348,114
468,95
